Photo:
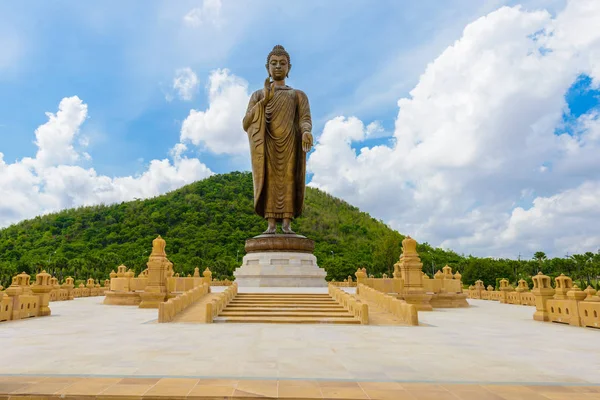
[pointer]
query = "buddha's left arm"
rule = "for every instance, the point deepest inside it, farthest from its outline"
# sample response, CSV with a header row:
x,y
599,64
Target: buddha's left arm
x,y
304,113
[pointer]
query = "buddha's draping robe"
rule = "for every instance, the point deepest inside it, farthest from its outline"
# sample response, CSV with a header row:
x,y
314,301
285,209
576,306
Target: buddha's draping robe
x,y
278,162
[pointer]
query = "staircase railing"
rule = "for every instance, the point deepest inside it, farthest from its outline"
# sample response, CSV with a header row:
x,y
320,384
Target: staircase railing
x,y
399,308
214,308
357,308
170,308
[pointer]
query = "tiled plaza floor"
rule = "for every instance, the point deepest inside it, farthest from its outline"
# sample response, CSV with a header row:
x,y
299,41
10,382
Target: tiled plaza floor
x,y
487,351
187,388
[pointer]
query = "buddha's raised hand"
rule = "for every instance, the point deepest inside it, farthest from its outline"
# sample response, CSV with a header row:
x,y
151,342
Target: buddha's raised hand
x,y
269,90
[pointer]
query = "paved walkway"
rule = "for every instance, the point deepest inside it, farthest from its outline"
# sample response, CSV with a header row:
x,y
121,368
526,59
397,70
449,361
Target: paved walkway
x,y
486,343
169,388
378,315
197,311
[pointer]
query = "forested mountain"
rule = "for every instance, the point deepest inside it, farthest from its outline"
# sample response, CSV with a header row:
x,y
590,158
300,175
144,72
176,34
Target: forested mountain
x,y
206,224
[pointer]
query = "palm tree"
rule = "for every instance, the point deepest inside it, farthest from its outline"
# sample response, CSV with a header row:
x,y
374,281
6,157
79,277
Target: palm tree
x,y
540,256
589,266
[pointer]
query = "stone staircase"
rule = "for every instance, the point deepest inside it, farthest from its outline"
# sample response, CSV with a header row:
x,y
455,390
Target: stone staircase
x,y
294,308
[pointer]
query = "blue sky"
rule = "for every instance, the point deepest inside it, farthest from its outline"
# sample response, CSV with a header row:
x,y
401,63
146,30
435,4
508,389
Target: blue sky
x,y
110,54
355,60
581,98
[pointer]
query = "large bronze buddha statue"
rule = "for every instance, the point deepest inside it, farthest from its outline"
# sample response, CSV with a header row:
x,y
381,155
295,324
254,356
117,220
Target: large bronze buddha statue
x,y
279,128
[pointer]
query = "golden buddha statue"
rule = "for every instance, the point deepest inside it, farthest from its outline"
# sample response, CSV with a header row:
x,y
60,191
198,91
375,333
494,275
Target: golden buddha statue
x,y
279,128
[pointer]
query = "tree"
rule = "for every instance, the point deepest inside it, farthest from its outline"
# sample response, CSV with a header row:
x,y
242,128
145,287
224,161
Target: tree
x,y
540,256
486,269
206,224
75,267
220,269
596,267
515,265
589,269
386,254
580,261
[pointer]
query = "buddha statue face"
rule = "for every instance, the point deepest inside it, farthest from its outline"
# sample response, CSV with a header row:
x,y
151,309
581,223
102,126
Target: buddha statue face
x,y
278,67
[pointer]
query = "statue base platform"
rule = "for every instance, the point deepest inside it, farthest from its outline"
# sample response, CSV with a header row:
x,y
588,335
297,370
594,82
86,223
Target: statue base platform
x,y
280,261
122,298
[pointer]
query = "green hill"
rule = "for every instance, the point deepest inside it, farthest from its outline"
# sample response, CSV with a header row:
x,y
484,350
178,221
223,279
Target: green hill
x,y
206,224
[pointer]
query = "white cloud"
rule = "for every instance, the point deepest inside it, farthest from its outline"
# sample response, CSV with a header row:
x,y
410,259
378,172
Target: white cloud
x,y
376,130
54,139
396,68
564,214
185,83
52,180
219,127
209,12
471,138
178,150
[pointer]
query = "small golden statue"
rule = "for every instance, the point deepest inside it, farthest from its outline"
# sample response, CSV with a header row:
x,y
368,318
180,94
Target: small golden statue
x,y
279,128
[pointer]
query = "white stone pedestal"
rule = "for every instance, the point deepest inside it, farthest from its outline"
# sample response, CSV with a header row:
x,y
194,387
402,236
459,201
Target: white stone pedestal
x,y
280,269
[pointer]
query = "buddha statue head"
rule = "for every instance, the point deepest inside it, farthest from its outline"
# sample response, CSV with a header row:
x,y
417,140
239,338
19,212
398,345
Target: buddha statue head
x,y
278,63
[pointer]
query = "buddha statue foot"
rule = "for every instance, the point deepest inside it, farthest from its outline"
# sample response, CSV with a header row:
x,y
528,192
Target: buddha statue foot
x,y
271,227
286,227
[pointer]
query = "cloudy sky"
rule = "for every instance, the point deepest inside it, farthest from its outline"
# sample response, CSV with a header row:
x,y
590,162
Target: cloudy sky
x,y
472,125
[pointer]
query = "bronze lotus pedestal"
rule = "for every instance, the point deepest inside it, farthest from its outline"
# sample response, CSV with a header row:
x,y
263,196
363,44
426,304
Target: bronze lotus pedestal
x,y
274,260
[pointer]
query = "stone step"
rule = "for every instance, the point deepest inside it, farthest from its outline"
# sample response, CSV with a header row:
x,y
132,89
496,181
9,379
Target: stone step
x,y
285,313
305,303
285,308
287,320
316,301
285,305
274,298
284,298
305,295
275,307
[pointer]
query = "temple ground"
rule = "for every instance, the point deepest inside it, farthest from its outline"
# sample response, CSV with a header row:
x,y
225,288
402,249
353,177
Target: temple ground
x,y
488,343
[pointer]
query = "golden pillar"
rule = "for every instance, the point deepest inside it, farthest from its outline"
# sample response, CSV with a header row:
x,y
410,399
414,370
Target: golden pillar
x,y
589,291
18,287
42,289
504,289
69,285
479,287
410,268
156,290
361,275
543,291
563,285
207,276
